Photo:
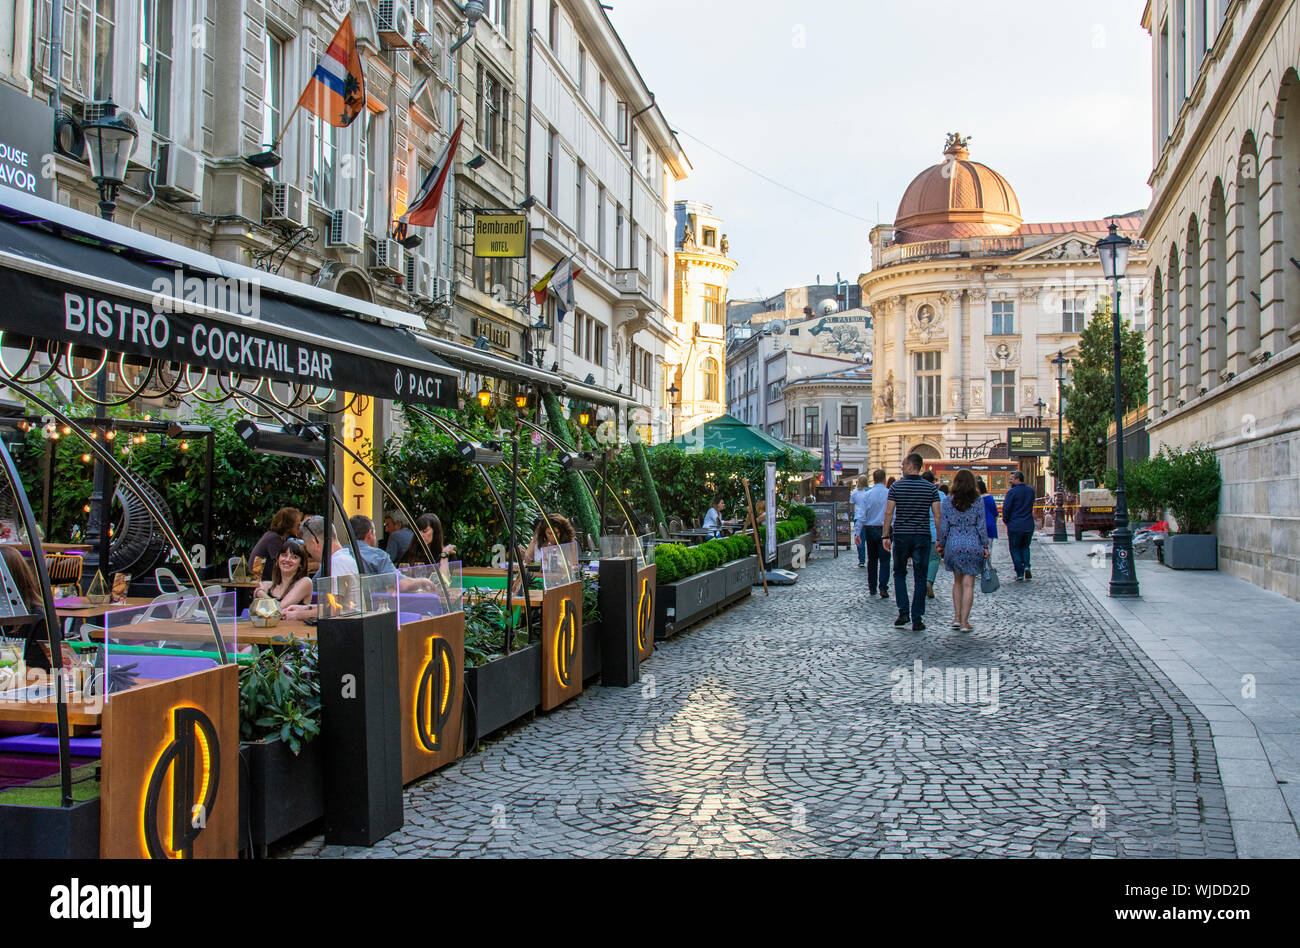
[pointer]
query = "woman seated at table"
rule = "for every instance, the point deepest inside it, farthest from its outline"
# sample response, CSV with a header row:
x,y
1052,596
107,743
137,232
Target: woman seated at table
x,y
283,526
551,530
30,591
713,518
430,529
290,583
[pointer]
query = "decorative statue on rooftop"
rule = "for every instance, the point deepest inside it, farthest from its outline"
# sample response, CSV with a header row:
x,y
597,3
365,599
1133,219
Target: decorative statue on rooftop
x,y
957,142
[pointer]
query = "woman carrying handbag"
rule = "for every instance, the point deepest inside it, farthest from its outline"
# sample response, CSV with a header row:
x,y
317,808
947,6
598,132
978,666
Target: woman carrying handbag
x,y
963,544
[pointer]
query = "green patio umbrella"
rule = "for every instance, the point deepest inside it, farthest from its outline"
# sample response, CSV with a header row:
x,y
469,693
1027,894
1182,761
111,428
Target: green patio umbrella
x,y
730,434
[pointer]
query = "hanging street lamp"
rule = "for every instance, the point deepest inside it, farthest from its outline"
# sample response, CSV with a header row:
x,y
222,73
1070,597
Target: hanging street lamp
x,y
110,139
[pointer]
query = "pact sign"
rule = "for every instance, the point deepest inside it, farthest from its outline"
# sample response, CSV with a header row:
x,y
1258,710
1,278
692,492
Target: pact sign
x,y
26,137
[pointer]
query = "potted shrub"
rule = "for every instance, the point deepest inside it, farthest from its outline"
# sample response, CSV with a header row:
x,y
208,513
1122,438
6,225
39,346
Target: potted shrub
x,y
282,787
1192,481
501,688
34,826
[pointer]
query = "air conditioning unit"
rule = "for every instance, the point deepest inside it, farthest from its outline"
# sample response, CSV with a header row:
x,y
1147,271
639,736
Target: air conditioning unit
x,y
346,230
389,256
180,173
422,16
393,20
288,206
419,277
441,288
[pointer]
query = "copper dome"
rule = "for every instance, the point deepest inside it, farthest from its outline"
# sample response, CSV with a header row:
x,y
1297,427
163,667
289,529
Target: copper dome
x,y
955,199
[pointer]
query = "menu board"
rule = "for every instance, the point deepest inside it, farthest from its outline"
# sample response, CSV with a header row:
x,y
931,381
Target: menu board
x,y
825,514
1029,442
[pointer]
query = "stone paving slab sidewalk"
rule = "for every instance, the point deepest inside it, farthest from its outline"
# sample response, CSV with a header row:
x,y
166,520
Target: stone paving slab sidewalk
x,y
777,729
1234,650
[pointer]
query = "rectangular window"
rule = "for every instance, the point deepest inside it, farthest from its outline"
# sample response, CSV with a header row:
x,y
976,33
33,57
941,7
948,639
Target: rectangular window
x,y
579,198
1183,40
773,391
649,262
272,89
1003,318
154,92
554,24
93,65
1164,82
600,106
578,320
812,425
710,237
550,169
848,421
582,70
1072,315
325,162
1201,37
600,219
598,345
1004,393
499,12
1139,318
492,113
620,124
618,239
492,275
929,387
712,305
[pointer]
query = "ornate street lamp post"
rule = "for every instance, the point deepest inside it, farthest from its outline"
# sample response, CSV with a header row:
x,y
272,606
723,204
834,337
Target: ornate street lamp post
x,y
1058,534
1113,251
110,139
1040,405
672,412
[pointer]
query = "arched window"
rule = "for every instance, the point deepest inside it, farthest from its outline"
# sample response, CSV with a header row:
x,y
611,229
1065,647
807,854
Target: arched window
x,y
1246,249
1170,372
1216,330
1157,339
1191,323
1287,146
709,380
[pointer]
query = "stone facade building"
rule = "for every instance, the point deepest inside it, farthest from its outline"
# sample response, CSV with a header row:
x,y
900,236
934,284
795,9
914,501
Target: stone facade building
x,y
969,304
1224,267
696,365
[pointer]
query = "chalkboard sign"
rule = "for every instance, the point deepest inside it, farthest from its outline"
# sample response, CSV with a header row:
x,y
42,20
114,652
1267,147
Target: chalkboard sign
x,y
825,522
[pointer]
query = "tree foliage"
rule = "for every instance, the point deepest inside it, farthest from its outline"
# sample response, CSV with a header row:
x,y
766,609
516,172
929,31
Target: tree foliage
x,y
1090,398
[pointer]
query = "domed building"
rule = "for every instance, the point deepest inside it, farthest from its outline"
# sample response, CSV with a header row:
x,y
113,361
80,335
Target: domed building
x,y
970,304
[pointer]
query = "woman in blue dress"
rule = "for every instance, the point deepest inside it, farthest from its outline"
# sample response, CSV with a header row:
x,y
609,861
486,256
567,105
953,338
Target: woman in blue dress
x,y
963,544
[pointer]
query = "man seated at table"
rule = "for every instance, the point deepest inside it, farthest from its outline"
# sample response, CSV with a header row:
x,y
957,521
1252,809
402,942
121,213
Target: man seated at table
x,y
399,535
713,518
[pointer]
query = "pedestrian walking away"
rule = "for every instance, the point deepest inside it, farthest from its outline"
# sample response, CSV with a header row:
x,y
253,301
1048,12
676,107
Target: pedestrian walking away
x,y
858,501
873,520
990,512
932,571
963,544
913,503
1018,515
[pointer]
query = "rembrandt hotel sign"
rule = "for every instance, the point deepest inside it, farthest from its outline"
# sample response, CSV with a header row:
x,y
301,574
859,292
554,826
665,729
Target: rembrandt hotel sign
x,y
501,235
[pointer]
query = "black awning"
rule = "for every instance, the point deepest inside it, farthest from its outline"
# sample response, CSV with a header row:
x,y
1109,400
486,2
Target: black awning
x,y
73,289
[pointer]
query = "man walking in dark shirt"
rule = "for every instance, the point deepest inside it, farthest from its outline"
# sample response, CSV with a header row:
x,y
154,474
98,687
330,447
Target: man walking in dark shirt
x,y
1018,515
912,506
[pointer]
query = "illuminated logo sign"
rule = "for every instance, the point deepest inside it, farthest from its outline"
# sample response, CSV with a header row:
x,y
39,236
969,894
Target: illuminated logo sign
x,y
193,758
643,607
433,700
566,643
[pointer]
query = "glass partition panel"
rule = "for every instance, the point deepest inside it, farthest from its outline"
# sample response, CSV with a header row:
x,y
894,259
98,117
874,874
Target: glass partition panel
x,y
559,564
614,546
166,639
347,594
432,590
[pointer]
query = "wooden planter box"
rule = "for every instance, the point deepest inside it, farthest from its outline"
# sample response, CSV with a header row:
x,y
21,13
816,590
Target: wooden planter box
x,y
504,690
1192,551
279,792
48,832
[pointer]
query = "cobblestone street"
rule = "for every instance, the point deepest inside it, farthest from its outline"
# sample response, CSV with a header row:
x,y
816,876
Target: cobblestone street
x,y
774,730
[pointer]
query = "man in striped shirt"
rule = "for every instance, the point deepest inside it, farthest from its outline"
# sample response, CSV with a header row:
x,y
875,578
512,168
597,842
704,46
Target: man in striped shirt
x,y
912,505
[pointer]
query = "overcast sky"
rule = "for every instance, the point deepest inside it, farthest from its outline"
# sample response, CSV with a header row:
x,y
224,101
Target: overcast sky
x,y
848,101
